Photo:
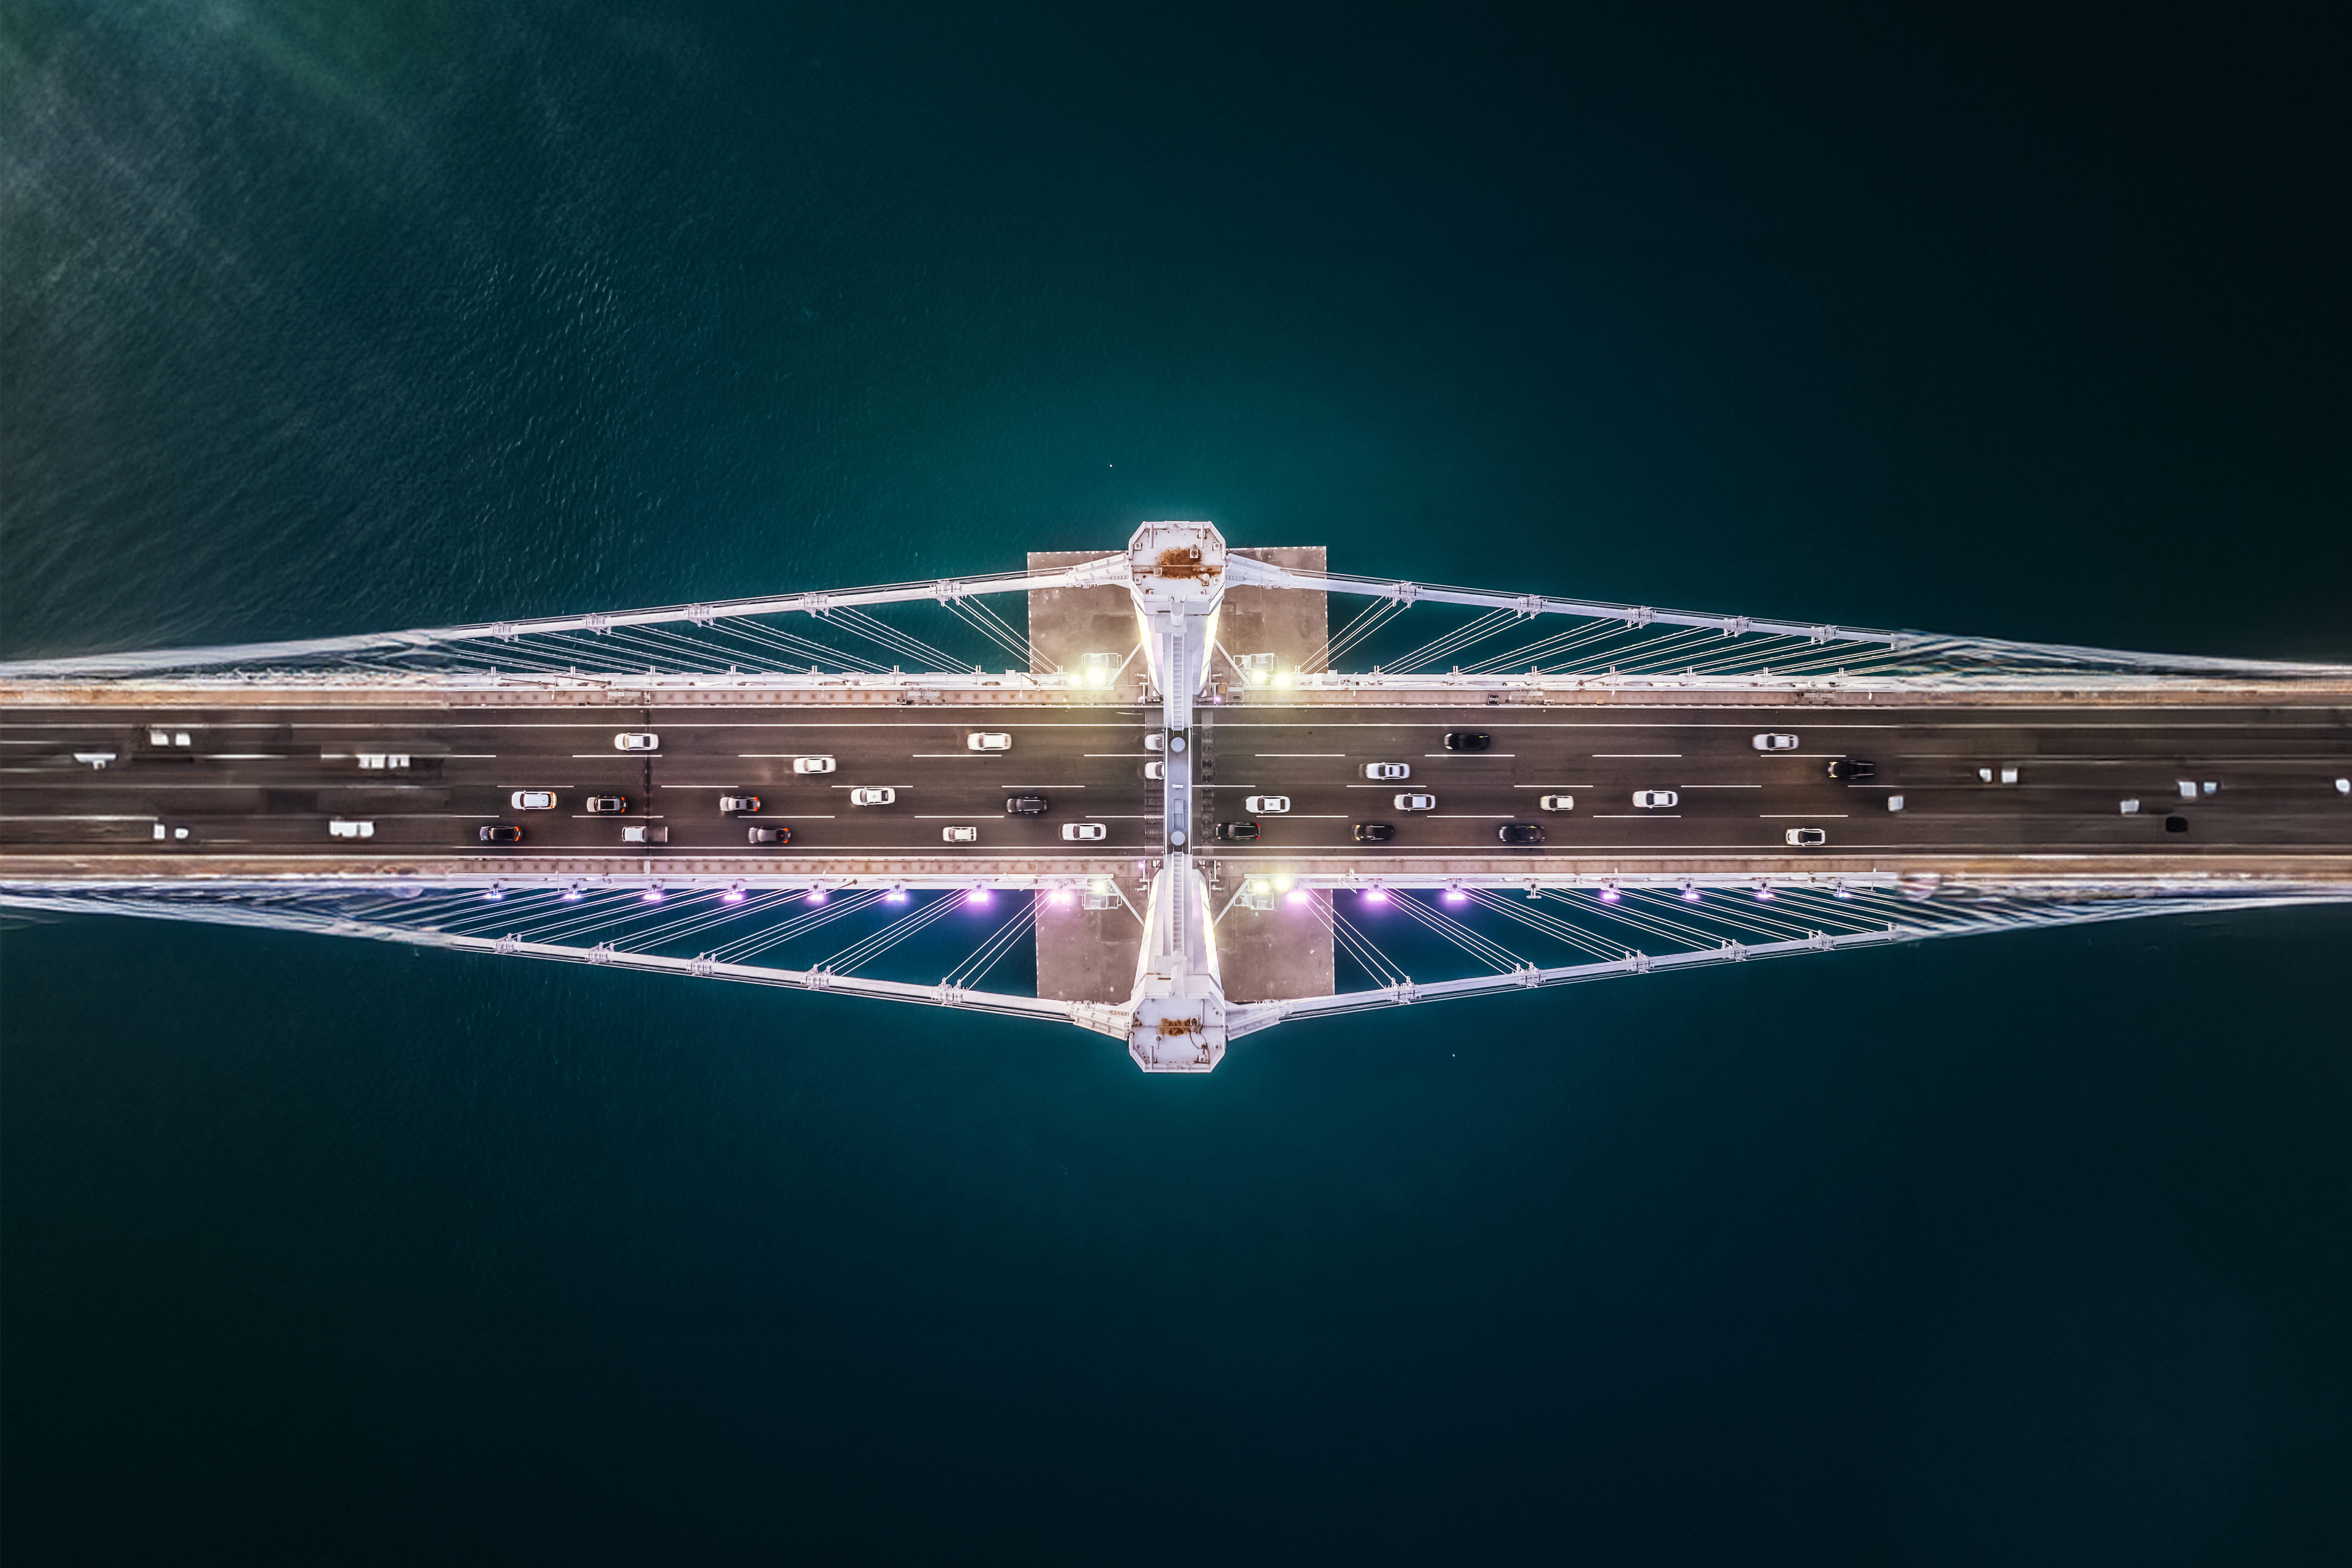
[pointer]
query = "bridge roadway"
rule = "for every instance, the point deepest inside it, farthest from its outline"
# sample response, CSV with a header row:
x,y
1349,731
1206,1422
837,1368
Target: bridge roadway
x,y
263,782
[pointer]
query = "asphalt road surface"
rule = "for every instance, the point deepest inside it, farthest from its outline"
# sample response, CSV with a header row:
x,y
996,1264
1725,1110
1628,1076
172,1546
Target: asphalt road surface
x,y
268,782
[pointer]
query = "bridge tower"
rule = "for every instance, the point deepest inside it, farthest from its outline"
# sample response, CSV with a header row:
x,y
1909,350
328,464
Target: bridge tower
x,y
1176,1019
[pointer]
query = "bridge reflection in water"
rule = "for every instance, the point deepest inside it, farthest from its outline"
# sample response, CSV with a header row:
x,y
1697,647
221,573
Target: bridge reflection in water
x,y
1200,869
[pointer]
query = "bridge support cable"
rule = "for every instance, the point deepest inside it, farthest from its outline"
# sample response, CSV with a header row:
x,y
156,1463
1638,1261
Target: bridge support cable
x,y
1532,655
1365,952
1491,625
1364,624
993,947
869,948
1460,935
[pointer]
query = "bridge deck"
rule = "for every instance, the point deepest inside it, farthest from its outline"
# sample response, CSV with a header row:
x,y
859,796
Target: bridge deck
x,y
258,784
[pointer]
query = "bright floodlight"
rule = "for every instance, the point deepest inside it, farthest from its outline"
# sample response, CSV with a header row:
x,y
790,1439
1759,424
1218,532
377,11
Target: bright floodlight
x,y
977,896
733,895
1608,895
653,895
1455,896
1261,886
1059,896
1691,894
1296,895
1376,895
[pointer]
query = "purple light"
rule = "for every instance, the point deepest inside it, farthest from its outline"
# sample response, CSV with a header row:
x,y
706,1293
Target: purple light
x,y
1295,896
1762,894
1059,896
977,896
493,895
817,895
731,895
571,895
1608,895
653,895
1690,895
1376,895
894,896
1456,896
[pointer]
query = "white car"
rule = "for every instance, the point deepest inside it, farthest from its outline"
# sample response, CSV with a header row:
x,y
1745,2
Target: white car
x,y
533,800
1775,742
1083,832
960,835
1265,805
1416,803
1156,740
1156,769
636,740
1806,837
988,741
872,795
812,765
1656,799
1555,803
1387,771
334,830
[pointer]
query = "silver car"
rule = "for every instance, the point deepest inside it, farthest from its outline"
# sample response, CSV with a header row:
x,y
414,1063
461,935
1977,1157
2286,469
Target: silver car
x,y
636,740
1656,799
873,794
1775,742
1416,803
1387,771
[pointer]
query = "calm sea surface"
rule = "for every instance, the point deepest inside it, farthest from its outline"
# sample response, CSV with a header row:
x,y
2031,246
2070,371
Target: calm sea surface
x,y
323,318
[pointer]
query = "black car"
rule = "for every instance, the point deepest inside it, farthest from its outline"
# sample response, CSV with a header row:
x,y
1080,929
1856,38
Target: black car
x,y
1467,740
1237,832
1851,770
771,835
1374,833
1025,806
500,835
1519,832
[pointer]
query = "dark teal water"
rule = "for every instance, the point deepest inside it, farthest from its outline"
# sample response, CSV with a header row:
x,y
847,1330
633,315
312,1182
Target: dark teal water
x,y
323,318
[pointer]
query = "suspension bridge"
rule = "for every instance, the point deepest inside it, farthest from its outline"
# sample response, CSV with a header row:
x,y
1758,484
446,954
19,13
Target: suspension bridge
x,y
1158,793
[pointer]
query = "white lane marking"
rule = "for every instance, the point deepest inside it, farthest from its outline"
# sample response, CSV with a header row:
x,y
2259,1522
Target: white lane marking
x,y
1557,786
1471,816
986,756
617,756
1777,816
1637,816
1118,753
1627,756
1107,817
149,816
1714,787
1469,754
1298,754
246,756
